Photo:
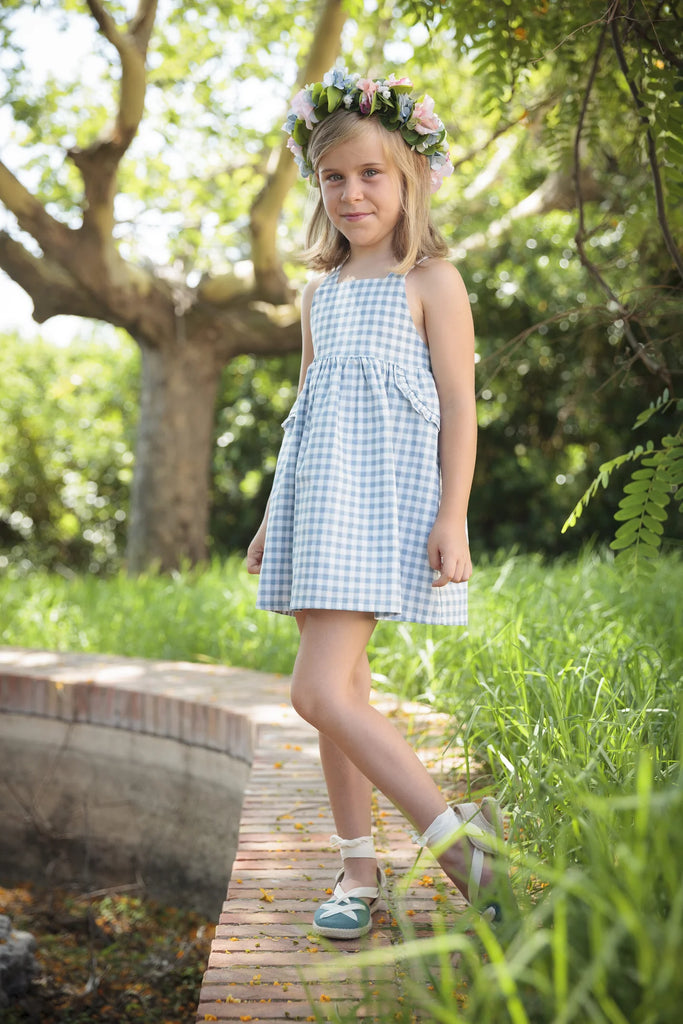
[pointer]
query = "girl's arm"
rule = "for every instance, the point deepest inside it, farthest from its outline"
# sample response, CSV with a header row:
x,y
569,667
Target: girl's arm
x,y
257,546
450,336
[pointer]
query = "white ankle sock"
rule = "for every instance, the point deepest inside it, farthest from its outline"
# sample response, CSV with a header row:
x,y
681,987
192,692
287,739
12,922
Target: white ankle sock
x,y
363,846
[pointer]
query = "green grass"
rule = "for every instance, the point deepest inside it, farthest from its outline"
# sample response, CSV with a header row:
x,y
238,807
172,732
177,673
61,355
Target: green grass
x,y
567,684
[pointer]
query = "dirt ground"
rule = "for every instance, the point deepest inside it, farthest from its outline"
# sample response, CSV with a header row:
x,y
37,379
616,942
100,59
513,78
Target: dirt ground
x,y
107,957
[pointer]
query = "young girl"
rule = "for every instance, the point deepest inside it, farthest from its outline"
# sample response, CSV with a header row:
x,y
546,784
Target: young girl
x,y
367,515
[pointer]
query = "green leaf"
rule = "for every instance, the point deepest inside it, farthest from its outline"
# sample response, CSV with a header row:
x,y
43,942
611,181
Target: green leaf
x,y
620,541
628,515
656,512
634,503
638,486
653,525
334,97
647,537
629,561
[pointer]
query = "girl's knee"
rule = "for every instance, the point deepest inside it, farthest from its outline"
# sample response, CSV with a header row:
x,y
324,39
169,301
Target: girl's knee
x,y
315,703
302,701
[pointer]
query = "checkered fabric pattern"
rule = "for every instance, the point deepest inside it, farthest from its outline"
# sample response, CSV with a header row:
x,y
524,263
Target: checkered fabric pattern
x,y
357,484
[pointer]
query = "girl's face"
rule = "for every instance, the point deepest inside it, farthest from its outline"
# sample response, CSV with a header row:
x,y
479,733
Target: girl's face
x,y
361,192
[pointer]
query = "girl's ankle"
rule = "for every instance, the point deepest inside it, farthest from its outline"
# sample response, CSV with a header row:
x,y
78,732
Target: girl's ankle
x,y
359,871
456,863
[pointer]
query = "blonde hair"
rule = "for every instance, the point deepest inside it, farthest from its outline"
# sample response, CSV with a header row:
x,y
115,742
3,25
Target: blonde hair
x,y
415,237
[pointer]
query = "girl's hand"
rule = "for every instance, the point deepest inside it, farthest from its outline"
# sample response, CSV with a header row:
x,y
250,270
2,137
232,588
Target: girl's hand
x,y
449,553
255,554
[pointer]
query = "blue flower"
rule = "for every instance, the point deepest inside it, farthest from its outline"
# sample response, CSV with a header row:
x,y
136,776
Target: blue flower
x,y
338,77
405,107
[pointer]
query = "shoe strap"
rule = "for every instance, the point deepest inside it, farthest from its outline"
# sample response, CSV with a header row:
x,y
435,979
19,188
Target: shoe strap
x,y
480,832
381,878
368,892
476,868
457,821
363,846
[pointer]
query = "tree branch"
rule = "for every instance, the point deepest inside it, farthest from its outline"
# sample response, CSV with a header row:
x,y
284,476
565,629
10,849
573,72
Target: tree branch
x,y
555,193
657,40
259,329
142,24
52,236
271,283
52,288
99,162
624,312
651,149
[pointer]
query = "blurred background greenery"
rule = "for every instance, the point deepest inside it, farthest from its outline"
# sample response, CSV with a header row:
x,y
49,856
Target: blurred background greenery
x,y
68,424
566,134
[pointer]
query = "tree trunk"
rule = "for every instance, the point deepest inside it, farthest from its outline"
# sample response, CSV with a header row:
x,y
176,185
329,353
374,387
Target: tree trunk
x,y
185,334
170,495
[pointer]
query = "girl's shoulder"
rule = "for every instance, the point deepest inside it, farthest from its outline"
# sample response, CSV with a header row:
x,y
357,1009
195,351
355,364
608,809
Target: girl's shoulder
x,y
433,278
435,268
310,289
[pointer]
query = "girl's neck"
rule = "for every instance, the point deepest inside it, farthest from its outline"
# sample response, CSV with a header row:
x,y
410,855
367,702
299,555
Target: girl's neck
x,y
360,265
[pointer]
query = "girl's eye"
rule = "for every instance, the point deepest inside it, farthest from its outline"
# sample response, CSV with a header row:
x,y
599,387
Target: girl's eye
x,y
371,172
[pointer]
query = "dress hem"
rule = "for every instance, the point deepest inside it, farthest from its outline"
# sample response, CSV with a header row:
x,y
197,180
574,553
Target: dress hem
x,y
421,620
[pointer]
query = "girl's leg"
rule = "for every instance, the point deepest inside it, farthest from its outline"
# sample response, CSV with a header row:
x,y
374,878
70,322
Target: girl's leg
x,y
332,647
349,791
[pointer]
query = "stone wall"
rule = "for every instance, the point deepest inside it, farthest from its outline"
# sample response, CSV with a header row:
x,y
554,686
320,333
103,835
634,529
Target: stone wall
x,y
117,771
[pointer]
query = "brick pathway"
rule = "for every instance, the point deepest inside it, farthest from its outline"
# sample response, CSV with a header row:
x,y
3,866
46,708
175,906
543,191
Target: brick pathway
x,y
264,963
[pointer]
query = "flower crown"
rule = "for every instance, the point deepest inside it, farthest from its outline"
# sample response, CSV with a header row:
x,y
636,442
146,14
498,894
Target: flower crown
x,y
387,98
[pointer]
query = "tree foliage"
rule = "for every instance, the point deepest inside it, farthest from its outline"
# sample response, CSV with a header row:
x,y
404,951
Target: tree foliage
x,y
149,187
598,89
73,242
644,509
67,426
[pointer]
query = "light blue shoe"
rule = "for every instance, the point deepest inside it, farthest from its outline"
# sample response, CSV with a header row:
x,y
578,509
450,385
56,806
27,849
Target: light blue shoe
x,y
348,915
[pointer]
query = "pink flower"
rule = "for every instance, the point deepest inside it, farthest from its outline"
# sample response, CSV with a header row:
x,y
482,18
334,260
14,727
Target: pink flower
x,y
303,107
294,148
368,89
393,80
437,175
426,121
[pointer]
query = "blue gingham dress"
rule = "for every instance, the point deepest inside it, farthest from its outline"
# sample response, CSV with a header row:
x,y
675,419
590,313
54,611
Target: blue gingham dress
x,y
357,483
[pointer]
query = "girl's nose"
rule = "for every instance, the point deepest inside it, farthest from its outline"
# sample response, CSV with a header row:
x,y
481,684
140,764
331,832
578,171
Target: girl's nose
x,y
353,189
